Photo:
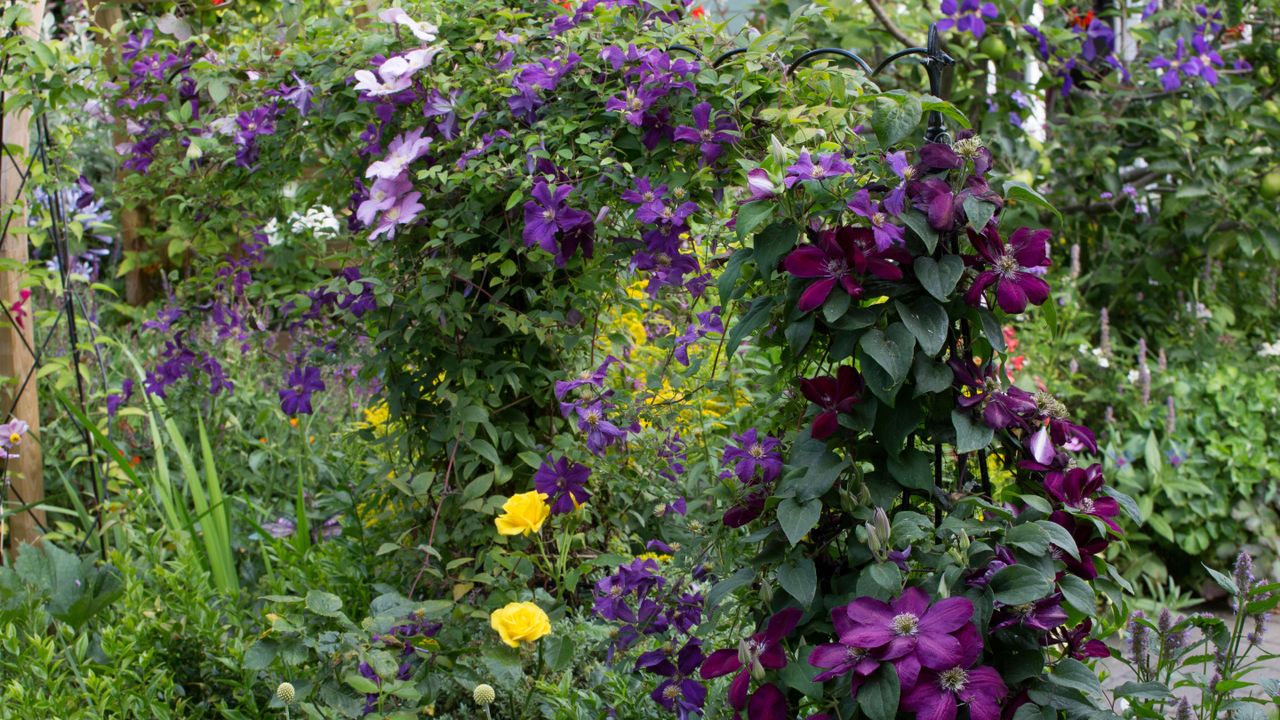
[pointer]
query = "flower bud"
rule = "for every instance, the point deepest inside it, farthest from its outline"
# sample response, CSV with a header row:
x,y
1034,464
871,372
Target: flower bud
x,y
483,694
881,521
286,693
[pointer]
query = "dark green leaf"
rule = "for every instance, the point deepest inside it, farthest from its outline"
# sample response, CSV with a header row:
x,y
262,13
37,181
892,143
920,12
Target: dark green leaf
x,y
927,321
1078,594
894,117
939,277
800,579
1014,190
971,435
797,519
931,376
919,224
878,697
1020,584
756,316
978,212
751,215
771,244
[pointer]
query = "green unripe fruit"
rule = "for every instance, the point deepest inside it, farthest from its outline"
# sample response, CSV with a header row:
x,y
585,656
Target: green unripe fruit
x,y
1271,185
993,47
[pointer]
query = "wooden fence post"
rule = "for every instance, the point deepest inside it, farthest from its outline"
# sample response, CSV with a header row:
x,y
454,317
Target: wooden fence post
x,y
16,343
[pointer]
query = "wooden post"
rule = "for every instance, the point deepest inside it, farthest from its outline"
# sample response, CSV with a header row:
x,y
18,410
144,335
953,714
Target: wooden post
x,y
16,359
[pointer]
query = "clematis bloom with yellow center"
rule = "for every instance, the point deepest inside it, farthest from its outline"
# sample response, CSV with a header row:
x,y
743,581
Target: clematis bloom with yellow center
x,y
523,514
520,622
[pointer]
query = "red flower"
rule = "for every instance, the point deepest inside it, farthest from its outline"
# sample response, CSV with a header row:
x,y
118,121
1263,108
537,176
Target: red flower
x,y
834,395
699,12
841,256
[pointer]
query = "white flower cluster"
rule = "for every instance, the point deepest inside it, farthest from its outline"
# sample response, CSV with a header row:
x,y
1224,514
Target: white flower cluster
x,y
319,222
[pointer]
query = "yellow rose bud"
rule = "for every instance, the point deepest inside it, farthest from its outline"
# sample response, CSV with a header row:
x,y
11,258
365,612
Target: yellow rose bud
x,y
520,622
523,514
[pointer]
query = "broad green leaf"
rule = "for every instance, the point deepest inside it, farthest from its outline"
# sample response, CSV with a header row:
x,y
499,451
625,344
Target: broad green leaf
x,y
939,277
894,117
1019,584
878,697
971,435
771,244
797,519
800,579
927,321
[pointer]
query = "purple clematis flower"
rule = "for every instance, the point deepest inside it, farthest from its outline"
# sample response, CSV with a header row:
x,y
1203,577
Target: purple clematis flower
x,y
754,455
760,186
595,377
1087,542
967,16
980,387
600,432
302,381
1077,643
1012,267
910,632
841,256
404,211
1176,67
933,196
1076,488
762,651
896,200
828,166
554,226
832,395
644,193
842,658
564,483
445,109
679,692
404,149
939,693
885,232
1207,57
709,137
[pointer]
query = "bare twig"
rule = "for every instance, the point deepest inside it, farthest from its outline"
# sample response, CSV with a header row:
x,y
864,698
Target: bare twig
x,y
888,24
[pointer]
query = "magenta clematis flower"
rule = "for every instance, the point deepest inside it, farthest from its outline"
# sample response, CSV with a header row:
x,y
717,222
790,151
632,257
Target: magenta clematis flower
x,y
841,256
679,692
1077,643
910,632
939,694
1076,488
709,137
1011,267
828,166
841,658
762,651
1087,542
885,232
934,198
833,395
1043,615
760,186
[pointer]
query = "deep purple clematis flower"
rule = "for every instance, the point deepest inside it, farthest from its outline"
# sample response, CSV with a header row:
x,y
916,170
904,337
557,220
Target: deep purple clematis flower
x,y
828,166
980,387
981,577
910,632
1176,67
445,109
1043,615
840,257
896,200
939,693
1077,488
832,395
679,692
967,16
746,510
554,226
563,482
302,382
600,432
633,103
1077,643
754,456
934,198
1009,267
1087,541
885,232
708,136
762,651
841,658
1064,433
594,377
644,193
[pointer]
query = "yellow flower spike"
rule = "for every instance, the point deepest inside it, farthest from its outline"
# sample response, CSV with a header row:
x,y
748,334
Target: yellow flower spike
x,y
377,416
520,622
523,514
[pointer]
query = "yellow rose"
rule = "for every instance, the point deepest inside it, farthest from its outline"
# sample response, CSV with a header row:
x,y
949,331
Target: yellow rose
x,y
520,622
523,514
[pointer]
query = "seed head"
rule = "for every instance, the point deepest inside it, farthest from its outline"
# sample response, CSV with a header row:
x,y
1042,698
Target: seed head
x,y
483,694
286,693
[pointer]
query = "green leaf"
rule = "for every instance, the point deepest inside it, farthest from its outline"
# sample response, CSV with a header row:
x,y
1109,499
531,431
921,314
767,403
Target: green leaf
x,y
798,334
756,316
751,215
727,285
1144,691
939,277
836,306
1015,190
797,519
913,470
1019,584
931,376
1224,581
771,244
919,225
259,655
895,116
978,212
893,352
360,683
740,578
1076,675
323,603
929,102
821,468
1059,536
991,329
1029,537
800,579
878,697
1078,595
927,321
971,435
